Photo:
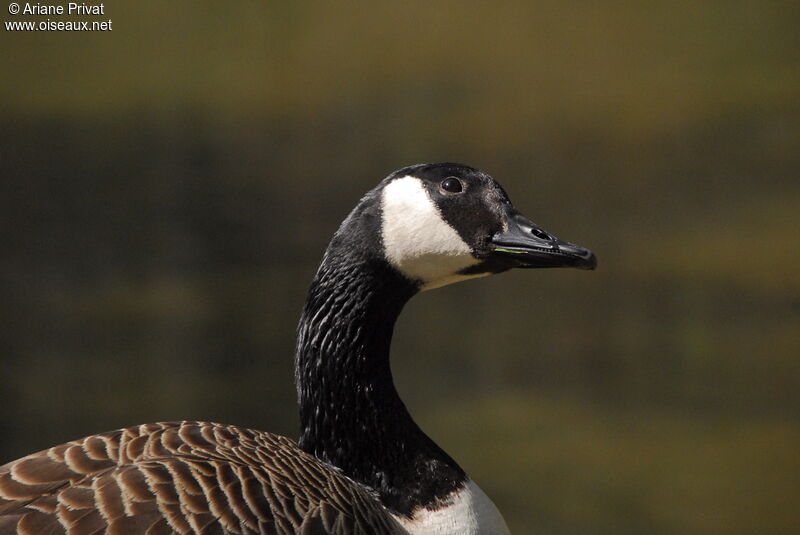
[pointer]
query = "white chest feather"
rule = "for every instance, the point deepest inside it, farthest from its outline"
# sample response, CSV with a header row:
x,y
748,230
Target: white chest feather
x,y
417,240
470,512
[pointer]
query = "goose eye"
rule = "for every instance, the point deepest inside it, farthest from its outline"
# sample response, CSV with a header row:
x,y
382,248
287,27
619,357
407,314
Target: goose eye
x,y
452,185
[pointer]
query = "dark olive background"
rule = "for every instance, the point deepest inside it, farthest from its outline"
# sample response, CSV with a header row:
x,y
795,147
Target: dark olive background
x,y
168,188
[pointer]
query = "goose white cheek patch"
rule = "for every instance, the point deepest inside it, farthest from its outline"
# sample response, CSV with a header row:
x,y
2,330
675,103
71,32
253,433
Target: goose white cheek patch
x,y
417,240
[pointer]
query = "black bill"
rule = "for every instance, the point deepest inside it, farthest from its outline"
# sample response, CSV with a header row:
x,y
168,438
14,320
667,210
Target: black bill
x,y
528,246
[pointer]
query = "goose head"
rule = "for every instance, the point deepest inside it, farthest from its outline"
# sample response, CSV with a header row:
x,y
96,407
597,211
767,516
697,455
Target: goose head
x,y
443,223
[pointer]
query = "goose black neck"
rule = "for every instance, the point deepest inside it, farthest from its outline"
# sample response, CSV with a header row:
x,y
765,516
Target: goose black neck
x,y
351,415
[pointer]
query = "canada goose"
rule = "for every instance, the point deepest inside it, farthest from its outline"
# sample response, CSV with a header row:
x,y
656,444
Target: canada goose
x,y
361,465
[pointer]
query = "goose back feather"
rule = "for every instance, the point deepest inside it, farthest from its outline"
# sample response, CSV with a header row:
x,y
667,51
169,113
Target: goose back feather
x,y
184,478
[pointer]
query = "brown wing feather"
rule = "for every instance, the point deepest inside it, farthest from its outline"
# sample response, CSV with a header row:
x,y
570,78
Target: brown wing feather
x,y
183,478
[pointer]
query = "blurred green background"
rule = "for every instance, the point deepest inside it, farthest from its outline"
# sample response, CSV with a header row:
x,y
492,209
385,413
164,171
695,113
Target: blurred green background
x,y
168,188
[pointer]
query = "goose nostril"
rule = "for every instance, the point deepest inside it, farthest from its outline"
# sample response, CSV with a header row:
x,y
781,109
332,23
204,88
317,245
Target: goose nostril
x,y
542,235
